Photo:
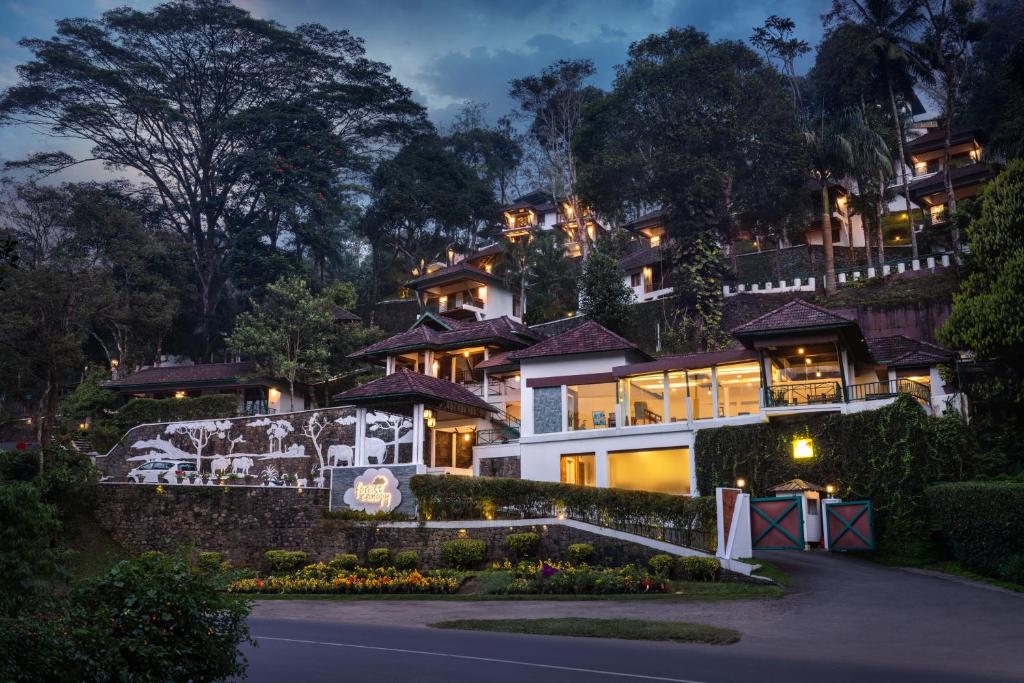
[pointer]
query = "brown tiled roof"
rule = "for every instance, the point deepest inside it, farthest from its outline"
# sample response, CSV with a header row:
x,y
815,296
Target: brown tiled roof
x,y
963,175
186,374
640,258
936,139
496,360
502,331
897,350
795,486
538,199
342,315
458,271
590,337
405,384
796,314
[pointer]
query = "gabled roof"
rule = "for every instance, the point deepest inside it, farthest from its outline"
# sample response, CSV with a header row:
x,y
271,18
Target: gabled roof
x,y
451,333
538,200
497,360
342,315
406,385
640,258
645,220
186,375
936,139
795,315
459,271
590,337
900,351
961,176
795,486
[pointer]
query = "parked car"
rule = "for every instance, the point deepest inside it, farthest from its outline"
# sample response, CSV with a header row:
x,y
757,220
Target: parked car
x,y
150,472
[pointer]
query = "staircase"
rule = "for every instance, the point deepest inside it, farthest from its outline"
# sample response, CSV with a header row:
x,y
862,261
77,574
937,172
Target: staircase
x,y
506,429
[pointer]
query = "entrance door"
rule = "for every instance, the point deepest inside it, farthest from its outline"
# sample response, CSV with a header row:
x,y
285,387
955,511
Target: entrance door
x,y
777,523
850,526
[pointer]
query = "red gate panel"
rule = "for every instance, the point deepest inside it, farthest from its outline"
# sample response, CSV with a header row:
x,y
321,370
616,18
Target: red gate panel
x,y
777,523
850,526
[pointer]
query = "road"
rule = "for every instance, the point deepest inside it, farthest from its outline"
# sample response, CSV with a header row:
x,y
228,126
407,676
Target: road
x,y
845,620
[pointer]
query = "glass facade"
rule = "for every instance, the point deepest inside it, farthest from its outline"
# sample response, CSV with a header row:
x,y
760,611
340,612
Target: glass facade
x,y
644,399
591,406
663,470
738,389
677,396
698,384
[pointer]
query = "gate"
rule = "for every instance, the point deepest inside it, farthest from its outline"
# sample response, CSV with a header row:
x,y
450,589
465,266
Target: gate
x,y
850,526
777,523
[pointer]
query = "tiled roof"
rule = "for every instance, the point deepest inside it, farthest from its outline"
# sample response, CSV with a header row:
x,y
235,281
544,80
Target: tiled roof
x,y
645,220
640,258
497,360
459,270
794,486
501,330
936,139
406,384
590,337
342,315
898,351
538,199
796,314
186,374
962,175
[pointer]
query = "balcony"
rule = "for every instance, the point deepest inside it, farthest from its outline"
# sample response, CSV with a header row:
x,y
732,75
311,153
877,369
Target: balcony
x,y
462,301
873,391
823,393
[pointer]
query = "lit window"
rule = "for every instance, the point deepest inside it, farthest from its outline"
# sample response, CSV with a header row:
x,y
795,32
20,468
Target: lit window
x,y
664,470
578,469
591,406
644,399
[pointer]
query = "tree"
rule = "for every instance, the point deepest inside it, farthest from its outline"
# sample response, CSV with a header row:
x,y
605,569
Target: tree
x,y
494,152
287,334
232,121
604,295
950,31
704,129
775,39
553,102
425,202
892,26
544,276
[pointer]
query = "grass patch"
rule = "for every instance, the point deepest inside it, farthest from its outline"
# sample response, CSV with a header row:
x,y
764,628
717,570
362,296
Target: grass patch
x,y
770,571
956,569
627,629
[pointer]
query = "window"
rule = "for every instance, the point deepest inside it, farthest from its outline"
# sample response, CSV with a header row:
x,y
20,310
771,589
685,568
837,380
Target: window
x,y
813,363
578,469
644,399
547,410
635,279
677,396
591,406
698,383
663,470
739,389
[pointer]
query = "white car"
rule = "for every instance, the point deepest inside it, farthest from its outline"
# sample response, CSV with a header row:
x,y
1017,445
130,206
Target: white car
x,y
150,472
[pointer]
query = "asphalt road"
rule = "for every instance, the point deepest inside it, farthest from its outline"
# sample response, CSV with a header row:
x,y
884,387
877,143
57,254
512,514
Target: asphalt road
x,y
845,620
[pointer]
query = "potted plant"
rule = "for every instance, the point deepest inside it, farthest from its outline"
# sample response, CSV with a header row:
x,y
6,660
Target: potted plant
x,y
289,479
192,477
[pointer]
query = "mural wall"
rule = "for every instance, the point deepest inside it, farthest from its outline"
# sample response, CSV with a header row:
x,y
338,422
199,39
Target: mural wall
x,y
271,449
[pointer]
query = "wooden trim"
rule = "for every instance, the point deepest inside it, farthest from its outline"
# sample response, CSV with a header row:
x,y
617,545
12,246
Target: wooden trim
x,y
592,378
688,362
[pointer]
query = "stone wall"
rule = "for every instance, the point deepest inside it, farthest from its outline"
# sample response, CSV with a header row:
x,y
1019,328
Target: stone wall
x,y
509,467
245,522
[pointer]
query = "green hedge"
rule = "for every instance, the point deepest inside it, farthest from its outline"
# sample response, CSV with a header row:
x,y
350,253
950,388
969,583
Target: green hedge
x,y
982,525
152,410
454,497
889,456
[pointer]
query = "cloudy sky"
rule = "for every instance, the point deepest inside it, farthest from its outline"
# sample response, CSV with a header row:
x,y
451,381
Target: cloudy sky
x,y
449,51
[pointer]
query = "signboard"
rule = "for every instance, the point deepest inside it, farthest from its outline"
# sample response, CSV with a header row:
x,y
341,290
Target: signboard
x,y
375,490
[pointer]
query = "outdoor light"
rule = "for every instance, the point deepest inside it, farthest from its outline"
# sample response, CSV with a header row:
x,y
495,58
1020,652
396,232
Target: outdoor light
x,y
83,425
113,363
179,394
830,489
803,448
807,361
741,482
800,350
466,436
428,415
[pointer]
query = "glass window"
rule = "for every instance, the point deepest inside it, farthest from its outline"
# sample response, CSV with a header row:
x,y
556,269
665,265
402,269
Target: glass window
x,y
579,469
739,388
699,384
591,406
677,396
547,410
644,399
664,470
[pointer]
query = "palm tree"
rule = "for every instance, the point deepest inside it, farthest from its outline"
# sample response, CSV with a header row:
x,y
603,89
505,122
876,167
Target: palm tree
x,y
893,25
839,145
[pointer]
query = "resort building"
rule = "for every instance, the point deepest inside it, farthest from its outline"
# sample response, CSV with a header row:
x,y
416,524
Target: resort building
x,y
494,398
969,170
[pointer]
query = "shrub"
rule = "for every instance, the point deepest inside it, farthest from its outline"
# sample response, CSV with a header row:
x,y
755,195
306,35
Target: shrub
x,y
29,556
283,561
464,553
581,553
981,524
103,437
407,559
453,497
378,557
661,565
699,568
523,545
153,410
344,561
211,561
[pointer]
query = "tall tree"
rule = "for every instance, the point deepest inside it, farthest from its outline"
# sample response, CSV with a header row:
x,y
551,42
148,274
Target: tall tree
x,y
539,270
230,120
892,26
704,129
494,152
553,102
776,40
604,295
951,29
288,334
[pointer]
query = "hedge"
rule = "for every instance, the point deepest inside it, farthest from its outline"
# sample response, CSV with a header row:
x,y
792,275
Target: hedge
x,y
890,456
153,410
982,525
454,497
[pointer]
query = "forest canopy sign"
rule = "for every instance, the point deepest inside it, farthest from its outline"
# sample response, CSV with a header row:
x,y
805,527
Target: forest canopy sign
x,y
375,490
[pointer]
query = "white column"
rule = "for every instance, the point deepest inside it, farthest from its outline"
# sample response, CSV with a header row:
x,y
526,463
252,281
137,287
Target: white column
x,y
565,409
714,391
417,434
360,446
665,418
601,468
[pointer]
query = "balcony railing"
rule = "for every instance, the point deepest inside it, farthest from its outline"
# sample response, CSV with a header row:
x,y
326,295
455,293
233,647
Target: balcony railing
x,y
870,391
803,394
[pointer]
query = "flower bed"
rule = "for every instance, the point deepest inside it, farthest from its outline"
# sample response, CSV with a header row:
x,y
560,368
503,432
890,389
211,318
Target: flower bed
x,y
321,578
563,578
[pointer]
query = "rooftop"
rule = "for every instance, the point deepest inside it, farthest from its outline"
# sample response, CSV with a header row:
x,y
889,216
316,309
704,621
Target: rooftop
x,y
897,351
797,314
438,332
405,384
962,175
640,258
184,375
590,337
459,271
936,139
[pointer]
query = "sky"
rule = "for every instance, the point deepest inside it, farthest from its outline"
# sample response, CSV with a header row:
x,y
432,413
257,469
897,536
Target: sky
x,y
447,51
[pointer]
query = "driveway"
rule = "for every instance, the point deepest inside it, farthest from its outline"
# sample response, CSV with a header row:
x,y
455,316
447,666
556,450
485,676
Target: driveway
x,y
844,617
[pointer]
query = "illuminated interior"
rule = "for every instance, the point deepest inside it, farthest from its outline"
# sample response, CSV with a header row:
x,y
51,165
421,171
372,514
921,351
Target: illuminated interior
x,y
699,386
591,406
578,469
664,470
677,396
738,389
645,399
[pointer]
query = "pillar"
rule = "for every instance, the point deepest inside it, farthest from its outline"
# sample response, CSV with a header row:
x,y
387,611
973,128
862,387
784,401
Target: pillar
x,y
360,444
417,434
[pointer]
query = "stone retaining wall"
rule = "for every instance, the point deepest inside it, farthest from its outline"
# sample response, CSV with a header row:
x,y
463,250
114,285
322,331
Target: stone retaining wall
x,y
245,522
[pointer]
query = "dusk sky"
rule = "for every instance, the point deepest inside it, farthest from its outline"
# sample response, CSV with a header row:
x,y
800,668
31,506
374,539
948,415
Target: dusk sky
x,y
453,51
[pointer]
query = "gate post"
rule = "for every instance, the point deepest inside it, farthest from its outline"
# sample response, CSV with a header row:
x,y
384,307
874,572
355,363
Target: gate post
x,y
733,507
824,519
